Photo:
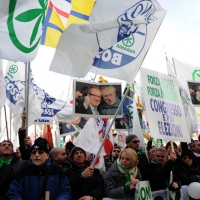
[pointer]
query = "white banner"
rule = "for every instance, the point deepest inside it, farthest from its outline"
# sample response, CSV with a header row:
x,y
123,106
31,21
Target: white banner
x,y
164,107
42,106
2,87
114,41
20,29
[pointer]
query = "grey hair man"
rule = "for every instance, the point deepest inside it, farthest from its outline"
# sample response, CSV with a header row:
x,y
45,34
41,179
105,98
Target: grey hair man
x,y
111,101
159,169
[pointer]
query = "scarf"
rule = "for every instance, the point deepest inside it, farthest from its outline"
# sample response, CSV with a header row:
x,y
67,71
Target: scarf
x,y
139,153
129,173
7,162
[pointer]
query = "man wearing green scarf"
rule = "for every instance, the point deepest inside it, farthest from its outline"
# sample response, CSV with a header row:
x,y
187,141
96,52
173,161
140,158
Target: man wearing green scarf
x,y
7,156
6,170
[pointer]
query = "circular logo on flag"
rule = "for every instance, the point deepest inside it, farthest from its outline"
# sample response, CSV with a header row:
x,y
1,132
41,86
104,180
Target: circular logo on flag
x,y
196,75
13,69
130,37
27,19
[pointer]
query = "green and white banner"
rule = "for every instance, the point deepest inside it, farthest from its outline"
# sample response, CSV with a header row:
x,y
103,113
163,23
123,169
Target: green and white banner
x,y
21,25
164,107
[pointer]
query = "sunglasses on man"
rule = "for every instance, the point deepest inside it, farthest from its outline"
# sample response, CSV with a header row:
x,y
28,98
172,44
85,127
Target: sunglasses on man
x,y
135,141
40,152
116,151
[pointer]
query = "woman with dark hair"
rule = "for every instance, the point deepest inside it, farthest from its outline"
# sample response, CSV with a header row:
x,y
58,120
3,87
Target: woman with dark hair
x,y
187,170
168,147
122,176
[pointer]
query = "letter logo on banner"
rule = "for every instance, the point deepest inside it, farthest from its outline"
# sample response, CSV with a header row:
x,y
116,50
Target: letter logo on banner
x,y
143,191
164,106
130,37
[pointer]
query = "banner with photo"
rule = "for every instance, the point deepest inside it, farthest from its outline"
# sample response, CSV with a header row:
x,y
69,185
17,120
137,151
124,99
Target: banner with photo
x,y
72,127
194,91
163,105
96,100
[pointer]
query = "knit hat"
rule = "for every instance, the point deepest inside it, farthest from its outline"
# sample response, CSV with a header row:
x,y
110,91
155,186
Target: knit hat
x,y
187,153
74,149
40,144
130,137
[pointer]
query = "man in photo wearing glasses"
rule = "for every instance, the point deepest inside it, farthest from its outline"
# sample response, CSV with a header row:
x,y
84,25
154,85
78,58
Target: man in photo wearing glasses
x,y
133,142
91,102
111,101
39,176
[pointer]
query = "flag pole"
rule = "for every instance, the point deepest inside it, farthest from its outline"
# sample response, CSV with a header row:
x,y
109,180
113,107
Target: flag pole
x,y
109,128
6,122
10,124
27,80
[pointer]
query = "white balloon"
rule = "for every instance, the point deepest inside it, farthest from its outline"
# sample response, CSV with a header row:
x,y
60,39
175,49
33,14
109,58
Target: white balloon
x,y
193,190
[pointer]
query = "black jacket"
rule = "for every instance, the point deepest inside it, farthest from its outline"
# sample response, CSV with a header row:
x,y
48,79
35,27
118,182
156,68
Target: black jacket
x,y
159,175
6,176
93,186
143,164
25,153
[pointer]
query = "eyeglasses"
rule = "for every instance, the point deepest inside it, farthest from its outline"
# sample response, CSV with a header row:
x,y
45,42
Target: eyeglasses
x,y
96,96
187,157
116,151
40,152
135,141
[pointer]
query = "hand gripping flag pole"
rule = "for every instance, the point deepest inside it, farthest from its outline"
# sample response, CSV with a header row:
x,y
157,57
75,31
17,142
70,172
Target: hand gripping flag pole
x,y
109,128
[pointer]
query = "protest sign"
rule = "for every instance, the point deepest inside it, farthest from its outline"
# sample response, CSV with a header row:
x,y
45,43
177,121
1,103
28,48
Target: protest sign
x,y
143,191
163,105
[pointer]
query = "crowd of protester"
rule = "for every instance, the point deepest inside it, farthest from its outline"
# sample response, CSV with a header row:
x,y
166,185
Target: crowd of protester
x,y
36,171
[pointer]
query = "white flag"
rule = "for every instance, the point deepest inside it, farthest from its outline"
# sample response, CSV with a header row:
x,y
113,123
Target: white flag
x,y
186,72
41,104
2,87
115,41
189,109
88,138
20,28
136,128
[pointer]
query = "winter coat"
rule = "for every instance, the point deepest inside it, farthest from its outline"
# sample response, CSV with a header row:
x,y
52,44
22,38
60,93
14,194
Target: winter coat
x,y
6,176
187,174
159,176
28,183
93,186
115,184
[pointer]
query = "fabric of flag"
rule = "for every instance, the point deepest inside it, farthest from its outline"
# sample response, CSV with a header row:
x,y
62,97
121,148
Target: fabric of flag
x,y
21,25
41,104
2,86
60,15
136,129
185,72
128,104
103,125
114,42
47,134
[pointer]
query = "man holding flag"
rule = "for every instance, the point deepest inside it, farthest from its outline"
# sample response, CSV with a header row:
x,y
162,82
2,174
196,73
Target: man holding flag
x,y
86,182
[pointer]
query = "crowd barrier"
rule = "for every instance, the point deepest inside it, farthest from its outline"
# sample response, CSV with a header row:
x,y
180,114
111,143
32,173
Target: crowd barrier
x,y
159,195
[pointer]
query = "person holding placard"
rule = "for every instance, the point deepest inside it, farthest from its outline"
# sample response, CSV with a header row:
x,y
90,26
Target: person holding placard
x,y
122,177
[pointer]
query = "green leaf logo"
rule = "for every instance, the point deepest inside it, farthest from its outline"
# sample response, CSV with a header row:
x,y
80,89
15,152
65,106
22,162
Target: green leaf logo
x,y
196,75
27,16
13,69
